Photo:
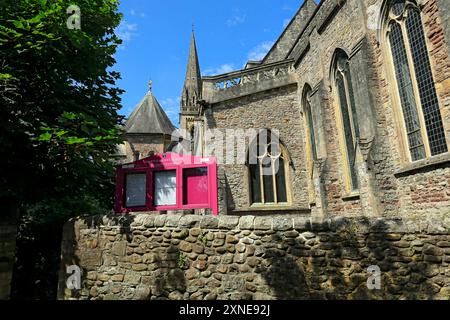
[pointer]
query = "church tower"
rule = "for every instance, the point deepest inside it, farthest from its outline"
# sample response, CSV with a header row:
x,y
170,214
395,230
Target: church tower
x,y
192,90
148,130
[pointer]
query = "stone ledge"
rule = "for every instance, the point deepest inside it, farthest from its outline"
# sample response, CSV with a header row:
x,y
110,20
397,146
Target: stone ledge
x,y
424,165
431,224
272,210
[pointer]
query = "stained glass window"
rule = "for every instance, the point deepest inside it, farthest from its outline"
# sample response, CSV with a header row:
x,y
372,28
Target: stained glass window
x,y
267,171
349,118
411,62
310,122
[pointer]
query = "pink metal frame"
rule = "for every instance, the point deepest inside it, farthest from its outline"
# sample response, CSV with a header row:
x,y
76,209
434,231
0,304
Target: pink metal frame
x,y
167,162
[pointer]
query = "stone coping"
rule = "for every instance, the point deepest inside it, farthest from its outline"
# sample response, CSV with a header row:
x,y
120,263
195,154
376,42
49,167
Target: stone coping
x,y
429,224
424,164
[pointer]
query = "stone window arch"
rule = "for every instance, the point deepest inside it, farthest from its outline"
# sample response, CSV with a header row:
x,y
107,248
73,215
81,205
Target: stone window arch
x,y
310,134
309,120
268,166
347,120
416,102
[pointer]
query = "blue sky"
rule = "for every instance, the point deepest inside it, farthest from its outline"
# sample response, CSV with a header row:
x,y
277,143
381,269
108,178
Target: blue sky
x,y
156,36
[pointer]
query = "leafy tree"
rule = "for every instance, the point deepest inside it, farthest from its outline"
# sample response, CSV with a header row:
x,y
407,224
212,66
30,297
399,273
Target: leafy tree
x,y
59,121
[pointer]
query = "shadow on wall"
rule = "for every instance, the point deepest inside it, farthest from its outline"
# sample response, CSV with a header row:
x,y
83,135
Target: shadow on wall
x,y
157,257
336,266
152,268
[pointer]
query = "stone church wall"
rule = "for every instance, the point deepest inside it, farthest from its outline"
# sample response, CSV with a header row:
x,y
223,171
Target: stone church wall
x,y
291,33
390,185
177,257
402,187
399,222
275,109
400,190
145,144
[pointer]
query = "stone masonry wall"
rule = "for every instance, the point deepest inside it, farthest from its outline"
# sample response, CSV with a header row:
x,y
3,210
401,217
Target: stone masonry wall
x,y
424,191
145,144
390,184
275,109
202,257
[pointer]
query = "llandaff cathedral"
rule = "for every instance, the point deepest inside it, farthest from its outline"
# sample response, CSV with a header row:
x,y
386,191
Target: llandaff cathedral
x,y
358,92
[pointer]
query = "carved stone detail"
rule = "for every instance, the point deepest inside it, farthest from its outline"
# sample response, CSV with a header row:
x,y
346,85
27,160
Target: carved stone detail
x,y
366,146
251,76
319,166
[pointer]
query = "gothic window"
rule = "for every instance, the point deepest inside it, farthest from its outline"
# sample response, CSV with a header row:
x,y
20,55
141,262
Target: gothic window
x,y
185,99
415,85
192,133
310,133
350,129
310,128
268,167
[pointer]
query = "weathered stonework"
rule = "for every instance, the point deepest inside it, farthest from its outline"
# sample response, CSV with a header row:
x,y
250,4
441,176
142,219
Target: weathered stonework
x,y
390,185
321,243
144,146
145,257
283,45
276,109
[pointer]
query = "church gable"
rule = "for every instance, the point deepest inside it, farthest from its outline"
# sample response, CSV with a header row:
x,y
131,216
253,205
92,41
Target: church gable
x,y
149,118
288,39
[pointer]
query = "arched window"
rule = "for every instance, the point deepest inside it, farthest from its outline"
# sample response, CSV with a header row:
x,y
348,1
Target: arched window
x,y
350,129
310,128
414,80
268,168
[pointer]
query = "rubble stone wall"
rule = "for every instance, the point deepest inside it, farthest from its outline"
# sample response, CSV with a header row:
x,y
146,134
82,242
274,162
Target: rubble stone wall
x,y
143,257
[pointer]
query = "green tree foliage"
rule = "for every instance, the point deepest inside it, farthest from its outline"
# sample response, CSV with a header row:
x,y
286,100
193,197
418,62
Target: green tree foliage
x,y
59,102
59,124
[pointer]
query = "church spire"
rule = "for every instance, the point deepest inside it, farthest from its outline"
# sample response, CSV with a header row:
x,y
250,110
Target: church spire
x,y
192,89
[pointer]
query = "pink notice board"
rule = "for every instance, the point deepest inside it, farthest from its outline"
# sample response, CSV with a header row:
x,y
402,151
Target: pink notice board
x,y
195,182
167,182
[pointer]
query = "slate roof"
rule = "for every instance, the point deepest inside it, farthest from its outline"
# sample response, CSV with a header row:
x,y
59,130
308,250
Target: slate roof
x,y
149,118
288,39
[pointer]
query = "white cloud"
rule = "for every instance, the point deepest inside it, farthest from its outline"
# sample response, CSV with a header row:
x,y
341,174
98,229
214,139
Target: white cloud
x,y
172,108
260,51
224,68
126,31
171,101
134,13
237,19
